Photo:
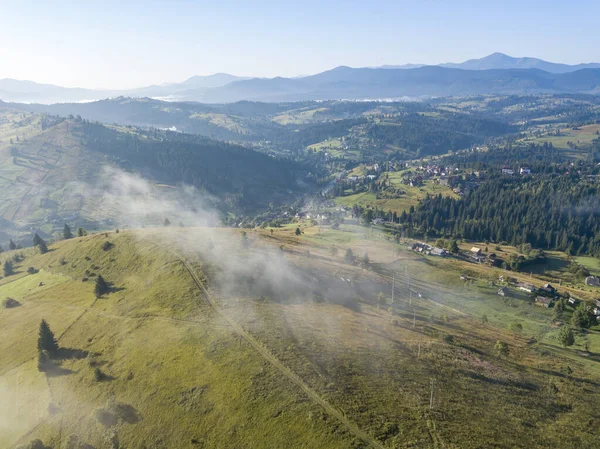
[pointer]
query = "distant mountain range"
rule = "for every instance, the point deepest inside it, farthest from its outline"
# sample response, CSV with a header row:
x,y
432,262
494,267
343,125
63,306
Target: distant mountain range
x,y
500,61
494,74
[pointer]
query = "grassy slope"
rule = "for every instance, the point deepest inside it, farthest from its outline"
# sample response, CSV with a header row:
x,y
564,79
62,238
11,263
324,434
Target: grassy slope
x,y
187,376
410,197
186,380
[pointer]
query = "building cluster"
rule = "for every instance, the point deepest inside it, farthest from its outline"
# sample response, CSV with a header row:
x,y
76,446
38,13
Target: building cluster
x,y
424,248
511,171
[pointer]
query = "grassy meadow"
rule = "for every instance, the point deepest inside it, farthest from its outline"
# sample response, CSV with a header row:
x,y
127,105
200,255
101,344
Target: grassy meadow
x,y
175,372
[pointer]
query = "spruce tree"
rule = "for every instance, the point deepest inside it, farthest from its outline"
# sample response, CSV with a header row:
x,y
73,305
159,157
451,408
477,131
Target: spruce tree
x,y
101,286
67,234
8,268
11,245
37,239
46,340
298,231
43,247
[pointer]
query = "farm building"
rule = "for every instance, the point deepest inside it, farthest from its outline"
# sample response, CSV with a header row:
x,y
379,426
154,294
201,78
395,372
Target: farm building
x,y
438,252
529,288
543,301
592,281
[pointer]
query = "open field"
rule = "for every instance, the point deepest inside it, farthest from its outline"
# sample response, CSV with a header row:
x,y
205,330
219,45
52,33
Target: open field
x,y
298,345
410,195
582,137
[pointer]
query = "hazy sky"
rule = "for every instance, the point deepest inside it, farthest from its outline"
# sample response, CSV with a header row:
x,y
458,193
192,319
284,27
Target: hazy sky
x,y
123,44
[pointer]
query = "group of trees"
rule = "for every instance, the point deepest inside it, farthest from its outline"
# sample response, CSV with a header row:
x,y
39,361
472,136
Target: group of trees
x,y
558,212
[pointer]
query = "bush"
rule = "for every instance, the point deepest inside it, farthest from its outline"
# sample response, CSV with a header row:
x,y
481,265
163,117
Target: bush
x,y
515,328
565,336
107,246
10,303
447,338
98,374
32,270
501,348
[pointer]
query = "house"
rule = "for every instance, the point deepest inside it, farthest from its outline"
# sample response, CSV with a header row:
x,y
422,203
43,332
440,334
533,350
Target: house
x,y
572,301
508,171
371,177
504,291
444,181
529,288
547,289
543,301
597,311
378,221
476,251
464,277
593,281
438,252
525,171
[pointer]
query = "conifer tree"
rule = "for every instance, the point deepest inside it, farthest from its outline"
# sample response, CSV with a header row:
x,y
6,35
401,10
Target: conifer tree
x,y
37,239
67,234
11,245
43,247
8,268
101,286
46,340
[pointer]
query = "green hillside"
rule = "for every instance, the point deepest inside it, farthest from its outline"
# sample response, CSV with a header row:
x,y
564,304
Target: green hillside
x,y
287,347
55,170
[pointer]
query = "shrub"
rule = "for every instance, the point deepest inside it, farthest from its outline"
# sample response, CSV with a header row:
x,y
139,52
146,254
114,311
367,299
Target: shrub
x,y
107,246
10,303
447,338
32,270
515,328
501,348
565,336
98,374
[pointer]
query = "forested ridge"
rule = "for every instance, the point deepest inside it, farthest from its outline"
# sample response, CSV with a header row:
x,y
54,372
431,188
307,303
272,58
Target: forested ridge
x,y
426,135
553,211
245,178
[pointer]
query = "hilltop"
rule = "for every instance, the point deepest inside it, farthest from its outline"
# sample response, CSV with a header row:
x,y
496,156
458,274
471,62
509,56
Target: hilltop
x,y
208,338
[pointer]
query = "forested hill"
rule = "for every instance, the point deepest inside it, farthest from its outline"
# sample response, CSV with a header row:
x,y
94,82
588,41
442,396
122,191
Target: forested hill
x,y
244,179
550,211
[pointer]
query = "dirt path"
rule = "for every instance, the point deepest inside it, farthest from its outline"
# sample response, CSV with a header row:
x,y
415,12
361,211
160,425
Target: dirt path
x,y
287,372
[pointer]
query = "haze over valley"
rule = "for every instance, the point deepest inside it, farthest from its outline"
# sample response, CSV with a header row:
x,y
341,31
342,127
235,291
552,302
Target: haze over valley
x,y
404,253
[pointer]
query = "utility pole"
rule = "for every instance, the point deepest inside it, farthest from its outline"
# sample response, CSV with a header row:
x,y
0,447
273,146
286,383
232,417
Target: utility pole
x,y
432,384
419,353
393,284
414,319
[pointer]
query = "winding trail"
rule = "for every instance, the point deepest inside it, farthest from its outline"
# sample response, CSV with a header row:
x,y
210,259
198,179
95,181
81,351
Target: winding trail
x,y
271,358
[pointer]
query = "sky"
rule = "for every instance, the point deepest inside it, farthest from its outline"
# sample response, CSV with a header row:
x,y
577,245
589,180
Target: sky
x,y
124,44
